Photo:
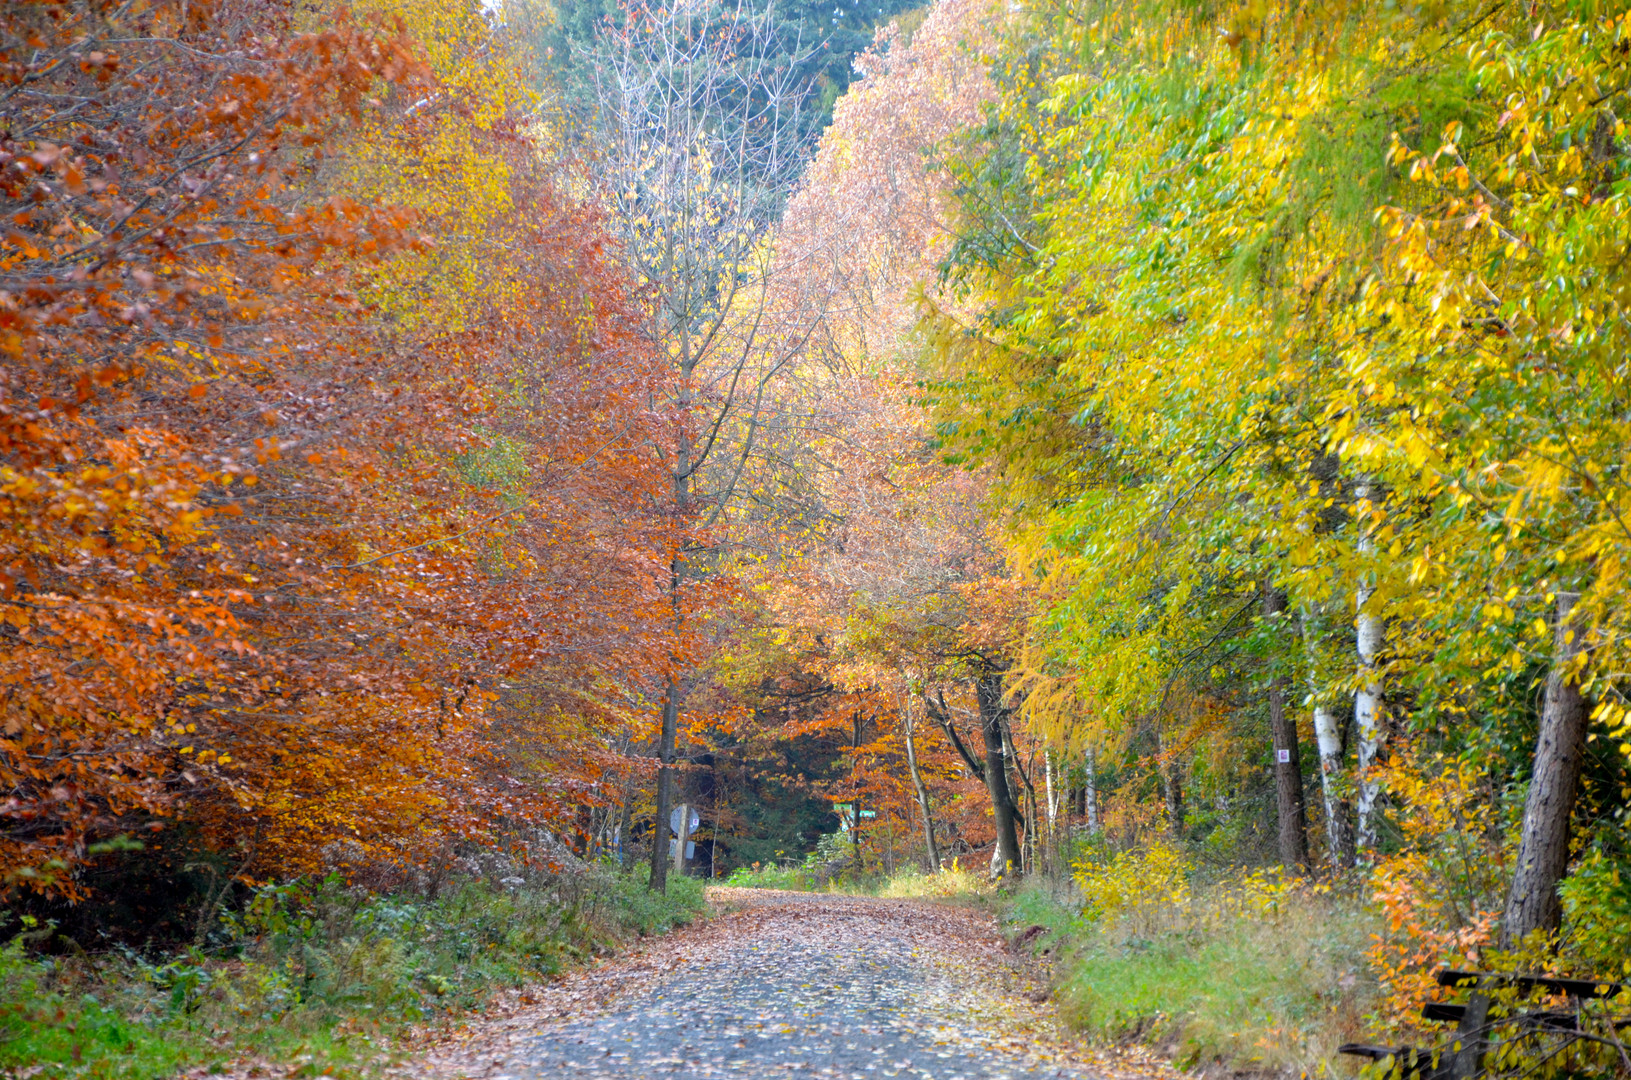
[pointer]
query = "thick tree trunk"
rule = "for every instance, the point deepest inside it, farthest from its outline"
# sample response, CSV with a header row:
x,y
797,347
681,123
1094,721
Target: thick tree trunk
x,y
1543,848
988,690
1368,700
921,789
1288,768
1329,736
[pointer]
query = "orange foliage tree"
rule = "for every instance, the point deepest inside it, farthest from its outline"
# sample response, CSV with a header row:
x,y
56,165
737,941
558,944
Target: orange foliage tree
x,y
330,590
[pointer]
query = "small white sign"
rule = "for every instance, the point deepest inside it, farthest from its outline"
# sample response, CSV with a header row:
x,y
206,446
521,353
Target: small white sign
x,y
1285,757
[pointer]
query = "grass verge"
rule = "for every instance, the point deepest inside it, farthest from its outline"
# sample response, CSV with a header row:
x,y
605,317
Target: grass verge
x,y
311,975
1270,982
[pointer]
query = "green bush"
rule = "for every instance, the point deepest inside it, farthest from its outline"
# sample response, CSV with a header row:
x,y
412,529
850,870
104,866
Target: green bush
x,y
313,971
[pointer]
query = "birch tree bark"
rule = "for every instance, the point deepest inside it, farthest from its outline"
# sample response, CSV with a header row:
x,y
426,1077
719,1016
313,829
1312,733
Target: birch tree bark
x,y
1053,807
1368,699
1332,742
1090,766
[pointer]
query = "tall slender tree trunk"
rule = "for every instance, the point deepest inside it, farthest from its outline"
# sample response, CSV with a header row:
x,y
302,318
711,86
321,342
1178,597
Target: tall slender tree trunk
x,y
921,789
1028,844
672,692
1368,699
988,690
1543,847
625,822
1053,807
1172,783
1091,799
1288,768
1330,737
665,786
1033,835
855,762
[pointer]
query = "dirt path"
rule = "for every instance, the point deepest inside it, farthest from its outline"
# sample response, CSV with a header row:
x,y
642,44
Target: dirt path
x,y
788,984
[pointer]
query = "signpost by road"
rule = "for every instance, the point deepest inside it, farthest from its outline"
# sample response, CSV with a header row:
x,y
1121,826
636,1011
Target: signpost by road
x,y
683,821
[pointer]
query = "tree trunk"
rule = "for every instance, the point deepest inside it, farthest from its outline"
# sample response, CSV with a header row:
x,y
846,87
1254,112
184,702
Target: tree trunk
x,y
1543,848
1172,785
625,822
1329,736
989,692
1288,769
921,789
855,832
1368,700
683,467
665,786
1091,796
1027,847
1053,807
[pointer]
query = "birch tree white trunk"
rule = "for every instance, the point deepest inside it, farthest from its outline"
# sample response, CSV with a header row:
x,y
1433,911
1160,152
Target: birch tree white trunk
x,y
1092,794
1368,699
1053,807
1329,735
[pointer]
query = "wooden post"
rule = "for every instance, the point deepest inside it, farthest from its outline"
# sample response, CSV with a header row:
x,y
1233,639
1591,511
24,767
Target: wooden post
x,y
1470,1035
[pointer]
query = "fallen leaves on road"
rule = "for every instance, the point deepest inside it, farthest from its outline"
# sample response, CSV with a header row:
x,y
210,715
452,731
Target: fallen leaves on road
x,y
786,984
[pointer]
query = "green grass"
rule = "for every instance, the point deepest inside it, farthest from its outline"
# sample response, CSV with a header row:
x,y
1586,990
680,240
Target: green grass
x,y
313,974
1251,991
908,882
793,878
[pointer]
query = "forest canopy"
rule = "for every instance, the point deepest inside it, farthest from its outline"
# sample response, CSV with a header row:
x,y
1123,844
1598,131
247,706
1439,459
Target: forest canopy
x,y
1020,436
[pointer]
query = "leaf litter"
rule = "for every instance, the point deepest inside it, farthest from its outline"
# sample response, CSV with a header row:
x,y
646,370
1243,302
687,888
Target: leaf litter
x,y
788,984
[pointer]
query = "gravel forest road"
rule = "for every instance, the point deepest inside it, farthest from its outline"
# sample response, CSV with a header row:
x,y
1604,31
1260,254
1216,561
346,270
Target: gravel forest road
x,y
788,985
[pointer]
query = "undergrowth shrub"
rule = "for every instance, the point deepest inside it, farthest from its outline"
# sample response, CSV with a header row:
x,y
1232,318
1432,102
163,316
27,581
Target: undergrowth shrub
x,y
793,877
954,881
832,862
1251,970
828,868
313,970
